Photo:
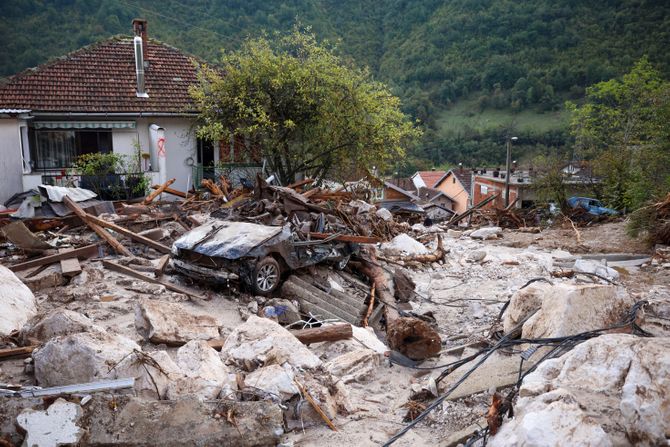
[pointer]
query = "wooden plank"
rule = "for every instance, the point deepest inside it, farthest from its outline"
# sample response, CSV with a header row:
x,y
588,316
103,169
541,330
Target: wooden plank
x,y
126,232
69,267
81,253
168,285
174,192
333,332
23,351
158,191
346,238
304,182
160,268
116,245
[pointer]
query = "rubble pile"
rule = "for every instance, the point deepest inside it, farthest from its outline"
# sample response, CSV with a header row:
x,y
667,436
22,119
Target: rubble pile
x,y
267,315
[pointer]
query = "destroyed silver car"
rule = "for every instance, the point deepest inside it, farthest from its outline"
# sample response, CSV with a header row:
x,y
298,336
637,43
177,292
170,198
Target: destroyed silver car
x,y
257,255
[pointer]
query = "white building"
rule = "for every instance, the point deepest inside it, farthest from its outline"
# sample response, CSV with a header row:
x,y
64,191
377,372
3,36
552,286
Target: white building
x,y
123,95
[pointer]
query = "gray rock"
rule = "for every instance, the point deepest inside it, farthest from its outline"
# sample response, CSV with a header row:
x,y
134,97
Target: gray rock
x,y
172,324
486,233
17,302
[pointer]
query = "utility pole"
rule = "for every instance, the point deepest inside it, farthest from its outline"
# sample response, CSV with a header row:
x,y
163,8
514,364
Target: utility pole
x,y
508,168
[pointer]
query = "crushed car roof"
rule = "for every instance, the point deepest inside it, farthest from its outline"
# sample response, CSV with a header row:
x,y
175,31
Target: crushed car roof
x,y
224,239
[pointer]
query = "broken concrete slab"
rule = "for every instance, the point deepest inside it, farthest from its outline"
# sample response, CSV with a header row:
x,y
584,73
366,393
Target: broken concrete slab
x,y
260,341
617,386
58,322
273,379
153,372
48,278
57,425
80,358
17,302
566,309
204,374
596,268
403,244
172,323
356,366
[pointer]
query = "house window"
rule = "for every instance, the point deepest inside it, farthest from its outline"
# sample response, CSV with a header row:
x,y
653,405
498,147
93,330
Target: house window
x,y
484,189
58,149
453,180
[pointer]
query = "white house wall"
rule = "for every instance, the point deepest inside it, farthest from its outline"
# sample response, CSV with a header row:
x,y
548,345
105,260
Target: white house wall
x,y
11,166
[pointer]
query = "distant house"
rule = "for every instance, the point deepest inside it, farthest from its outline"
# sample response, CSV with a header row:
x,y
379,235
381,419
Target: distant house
x,y
457,185
399,198
118,95
426,179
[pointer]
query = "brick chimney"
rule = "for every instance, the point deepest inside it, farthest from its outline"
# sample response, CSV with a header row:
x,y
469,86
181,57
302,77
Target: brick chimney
x,y
140,29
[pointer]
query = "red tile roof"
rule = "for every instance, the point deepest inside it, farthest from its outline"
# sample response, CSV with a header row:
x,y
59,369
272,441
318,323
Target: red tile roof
x,y
463,175
101,78
430,177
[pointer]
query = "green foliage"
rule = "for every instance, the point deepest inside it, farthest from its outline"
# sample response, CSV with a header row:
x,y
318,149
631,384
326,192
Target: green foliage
x,y
306,108
99,163
623,128
550,184
97,167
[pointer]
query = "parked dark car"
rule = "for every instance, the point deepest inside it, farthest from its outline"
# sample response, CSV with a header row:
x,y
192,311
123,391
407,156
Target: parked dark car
x,y
592,206
257,255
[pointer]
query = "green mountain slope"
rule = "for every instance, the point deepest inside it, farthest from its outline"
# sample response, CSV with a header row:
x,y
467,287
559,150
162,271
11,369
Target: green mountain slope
x,y
470,70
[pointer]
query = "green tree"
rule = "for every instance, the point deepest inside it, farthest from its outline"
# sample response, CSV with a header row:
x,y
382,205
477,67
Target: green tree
x,y
623,127
307,110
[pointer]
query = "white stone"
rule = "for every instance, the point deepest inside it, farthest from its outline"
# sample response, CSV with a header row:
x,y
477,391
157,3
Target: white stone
x,y
273,379
361,206
384,214
476,256
17,302
618,382
566,309
366,336
486,233
80,358
595,267
260,340
403,244
153,372
55,426
172,324
454,233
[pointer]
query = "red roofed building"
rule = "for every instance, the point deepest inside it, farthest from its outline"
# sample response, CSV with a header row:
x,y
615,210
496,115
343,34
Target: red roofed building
x,y
426,179
123,95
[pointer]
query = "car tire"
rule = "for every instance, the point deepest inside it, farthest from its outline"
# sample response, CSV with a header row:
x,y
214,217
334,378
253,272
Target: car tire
x,y
266,276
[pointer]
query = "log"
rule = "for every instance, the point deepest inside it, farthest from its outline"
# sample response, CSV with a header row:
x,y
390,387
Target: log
x,y
213,187
116,245
158,191
82,253
410,336
300,183
333,332
346,238
168,285
436,256
69,267
22,351
174,192
126,232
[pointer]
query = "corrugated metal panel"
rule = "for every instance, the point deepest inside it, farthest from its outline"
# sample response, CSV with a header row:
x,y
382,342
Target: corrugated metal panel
x,y
85,125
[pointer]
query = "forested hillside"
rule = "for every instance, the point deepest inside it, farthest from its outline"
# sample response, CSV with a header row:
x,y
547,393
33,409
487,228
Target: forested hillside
x,y
471,70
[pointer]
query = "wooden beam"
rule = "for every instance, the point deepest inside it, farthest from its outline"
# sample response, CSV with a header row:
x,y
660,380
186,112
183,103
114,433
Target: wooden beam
x,y
113,266
158,191
160,268
304,182
332,332
82,253
69,267
23,351
126,232
346,238
116,245
174,192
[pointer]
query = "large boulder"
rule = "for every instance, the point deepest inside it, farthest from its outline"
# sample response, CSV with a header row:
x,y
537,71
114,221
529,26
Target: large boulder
x,y
273,379
172,323
204,375
610,390
486,233
260,341
80,358
17,302
153,373
58,322
566,309
360,365
403,244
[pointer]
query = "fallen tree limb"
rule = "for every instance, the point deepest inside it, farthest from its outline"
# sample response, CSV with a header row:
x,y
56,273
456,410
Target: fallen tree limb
x,y
410,336
315,405
333,332
174,192
116,245
364,323
23,351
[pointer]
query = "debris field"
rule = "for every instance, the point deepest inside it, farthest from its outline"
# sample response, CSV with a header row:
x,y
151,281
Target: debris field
x,y
300,315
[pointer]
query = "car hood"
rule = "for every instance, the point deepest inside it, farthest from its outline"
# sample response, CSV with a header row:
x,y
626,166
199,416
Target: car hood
x,y
225,239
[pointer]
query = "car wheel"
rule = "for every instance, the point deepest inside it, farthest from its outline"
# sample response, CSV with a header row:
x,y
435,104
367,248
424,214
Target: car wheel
x,y
267,275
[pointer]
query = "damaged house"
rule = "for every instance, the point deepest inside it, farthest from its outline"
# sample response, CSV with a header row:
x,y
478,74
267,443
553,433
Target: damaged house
x,y
126,95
